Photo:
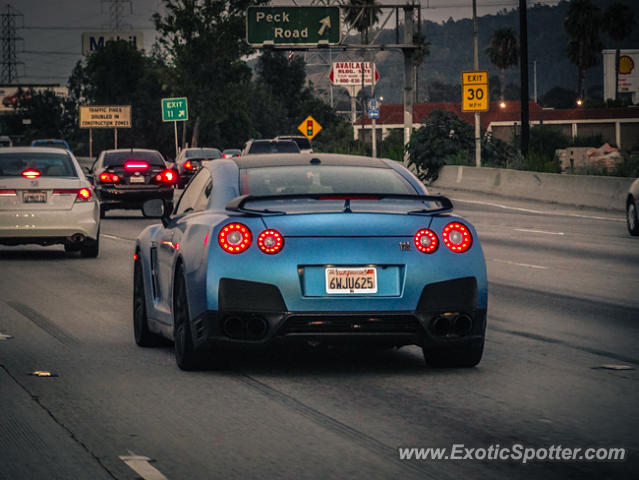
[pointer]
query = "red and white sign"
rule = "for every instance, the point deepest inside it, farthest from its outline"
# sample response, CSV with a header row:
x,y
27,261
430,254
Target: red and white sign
x,y
350,74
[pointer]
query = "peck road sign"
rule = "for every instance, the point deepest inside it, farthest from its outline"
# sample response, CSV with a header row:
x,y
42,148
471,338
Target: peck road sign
x,y
105,116
292,26
475,91
350,73
175,109
309,127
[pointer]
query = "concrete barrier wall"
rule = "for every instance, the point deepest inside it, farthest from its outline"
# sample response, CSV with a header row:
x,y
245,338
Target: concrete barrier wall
x,y
608,193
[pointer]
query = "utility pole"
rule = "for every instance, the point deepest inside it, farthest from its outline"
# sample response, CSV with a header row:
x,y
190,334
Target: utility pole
x,y
9,62
409,75
476,67
523,62
116,12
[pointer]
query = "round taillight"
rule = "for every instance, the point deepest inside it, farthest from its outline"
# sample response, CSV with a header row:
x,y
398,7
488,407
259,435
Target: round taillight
x,y
426,241
457,237
270,241
234,238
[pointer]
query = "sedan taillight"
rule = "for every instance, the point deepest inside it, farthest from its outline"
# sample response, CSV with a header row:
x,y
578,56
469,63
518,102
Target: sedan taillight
x,y
457,237
81,194
108,177
166,176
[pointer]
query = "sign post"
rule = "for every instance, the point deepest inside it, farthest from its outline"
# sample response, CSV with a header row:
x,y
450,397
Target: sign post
x,y
175,110
309,127
104,116
292,26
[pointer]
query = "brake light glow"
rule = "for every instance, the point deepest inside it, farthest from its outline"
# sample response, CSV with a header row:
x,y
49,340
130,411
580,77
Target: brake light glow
x,y
81,194
31,173
7,193
457,237
426,241
136,165
270,241
235,238
188,165
108,177
166,176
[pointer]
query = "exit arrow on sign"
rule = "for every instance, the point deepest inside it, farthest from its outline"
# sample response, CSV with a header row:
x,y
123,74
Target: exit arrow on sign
x,y
326,23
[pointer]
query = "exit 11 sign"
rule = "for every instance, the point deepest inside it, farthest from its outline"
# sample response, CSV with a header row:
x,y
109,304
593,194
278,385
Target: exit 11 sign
x,y
175,109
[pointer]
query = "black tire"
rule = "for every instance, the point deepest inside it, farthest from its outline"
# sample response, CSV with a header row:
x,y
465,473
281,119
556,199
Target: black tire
x,y
632,219
90,248
70,247
465,356
186,356
143,336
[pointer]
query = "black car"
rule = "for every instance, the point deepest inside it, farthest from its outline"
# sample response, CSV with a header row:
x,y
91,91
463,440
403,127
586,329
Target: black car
x,y
126,178
190,161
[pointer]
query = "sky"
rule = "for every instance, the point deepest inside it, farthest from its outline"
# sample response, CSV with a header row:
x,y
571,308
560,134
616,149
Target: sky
x,y
51,30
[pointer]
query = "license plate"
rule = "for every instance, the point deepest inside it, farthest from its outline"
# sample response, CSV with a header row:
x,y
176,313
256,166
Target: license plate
x,y
136,179
351,280
34,197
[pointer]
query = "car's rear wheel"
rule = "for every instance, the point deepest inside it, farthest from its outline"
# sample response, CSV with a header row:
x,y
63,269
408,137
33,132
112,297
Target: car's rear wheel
x,y
90,248
186,356
143,336
466,355
632,220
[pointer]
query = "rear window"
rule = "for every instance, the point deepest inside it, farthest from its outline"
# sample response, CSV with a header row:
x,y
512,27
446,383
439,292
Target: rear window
x,y
48,164
274,147
119,158
304,179
302,142
204,153
50,143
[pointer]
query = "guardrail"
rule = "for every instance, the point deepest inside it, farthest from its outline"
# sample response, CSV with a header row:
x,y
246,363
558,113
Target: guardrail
x,y
608,193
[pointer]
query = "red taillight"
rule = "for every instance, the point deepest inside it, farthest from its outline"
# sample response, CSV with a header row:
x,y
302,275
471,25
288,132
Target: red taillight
x,y
234,238
7,193
81,194
426,241
31,173
136,165
166,176
270,241
108,177
188,165
226,155
457,237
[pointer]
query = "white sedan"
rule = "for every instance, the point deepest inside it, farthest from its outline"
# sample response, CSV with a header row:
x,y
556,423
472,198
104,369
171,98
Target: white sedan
x,y
45,199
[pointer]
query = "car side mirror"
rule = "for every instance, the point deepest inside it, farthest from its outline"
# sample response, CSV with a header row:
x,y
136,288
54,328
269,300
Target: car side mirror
x,y
157,208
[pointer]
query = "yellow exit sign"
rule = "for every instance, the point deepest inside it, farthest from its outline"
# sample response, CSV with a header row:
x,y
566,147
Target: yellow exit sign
x,y
475,91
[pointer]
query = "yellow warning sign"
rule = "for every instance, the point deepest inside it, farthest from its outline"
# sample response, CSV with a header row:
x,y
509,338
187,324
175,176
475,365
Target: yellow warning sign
x,y
475,91
309,127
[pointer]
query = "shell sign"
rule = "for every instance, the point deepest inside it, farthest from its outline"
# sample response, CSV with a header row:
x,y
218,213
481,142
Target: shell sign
x,y
626,64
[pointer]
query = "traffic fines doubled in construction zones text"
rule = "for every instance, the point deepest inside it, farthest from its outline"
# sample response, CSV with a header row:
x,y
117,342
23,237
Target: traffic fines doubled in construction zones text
x,y
105,116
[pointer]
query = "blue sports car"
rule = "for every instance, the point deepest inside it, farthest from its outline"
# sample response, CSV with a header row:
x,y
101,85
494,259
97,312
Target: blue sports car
x,y
312,247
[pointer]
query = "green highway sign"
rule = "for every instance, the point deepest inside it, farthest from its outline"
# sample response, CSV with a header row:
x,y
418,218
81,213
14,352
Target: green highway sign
x,y
292,26
175,109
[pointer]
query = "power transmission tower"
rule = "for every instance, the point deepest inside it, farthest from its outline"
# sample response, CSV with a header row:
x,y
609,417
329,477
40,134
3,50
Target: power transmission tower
x,y
9,74
117,13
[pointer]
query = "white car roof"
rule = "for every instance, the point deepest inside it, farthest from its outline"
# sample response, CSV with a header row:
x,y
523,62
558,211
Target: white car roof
x,y
34,149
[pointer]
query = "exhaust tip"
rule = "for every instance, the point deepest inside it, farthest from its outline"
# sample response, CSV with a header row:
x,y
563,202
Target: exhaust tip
x,y
463,325
440,326
256,328
233,327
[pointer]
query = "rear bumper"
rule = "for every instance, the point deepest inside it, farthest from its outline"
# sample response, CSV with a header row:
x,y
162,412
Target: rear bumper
x,y
49,226
132,197
254,314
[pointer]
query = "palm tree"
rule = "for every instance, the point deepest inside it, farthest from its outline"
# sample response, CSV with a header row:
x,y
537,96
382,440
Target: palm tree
x,y
362,20
618,23
503,51
582,22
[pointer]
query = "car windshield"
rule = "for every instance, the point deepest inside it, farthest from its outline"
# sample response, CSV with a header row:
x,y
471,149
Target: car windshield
x,y
47,164
49,143
212,153
119,158
302,142
273,146
309,179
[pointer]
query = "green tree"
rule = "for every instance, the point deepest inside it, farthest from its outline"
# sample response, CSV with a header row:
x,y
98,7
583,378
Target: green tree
x,y
362,15
503,50
618,22
582,23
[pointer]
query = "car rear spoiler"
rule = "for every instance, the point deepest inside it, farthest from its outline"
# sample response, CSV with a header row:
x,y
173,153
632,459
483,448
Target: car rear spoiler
x,y
238,203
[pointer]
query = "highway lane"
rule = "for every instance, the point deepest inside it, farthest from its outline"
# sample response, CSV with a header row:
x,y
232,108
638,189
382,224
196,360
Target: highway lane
x,y
562,302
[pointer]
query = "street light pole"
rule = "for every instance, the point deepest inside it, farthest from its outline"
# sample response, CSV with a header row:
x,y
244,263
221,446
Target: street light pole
x,y
476,67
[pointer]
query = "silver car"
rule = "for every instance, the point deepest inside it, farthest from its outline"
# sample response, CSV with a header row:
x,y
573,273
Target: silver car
x,y
45,199
632,207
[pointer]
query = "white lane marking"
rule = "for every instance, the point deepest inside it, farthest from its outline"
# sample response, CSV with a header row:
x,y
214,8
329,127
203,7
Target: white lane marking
x,y
115,237
525,265
142,467
528,230
540,212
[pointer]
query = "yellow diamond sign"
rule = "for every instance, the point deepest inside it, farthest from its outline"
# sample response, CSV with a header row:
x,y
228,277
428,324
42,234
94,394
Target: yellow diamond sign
x,y
309,127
